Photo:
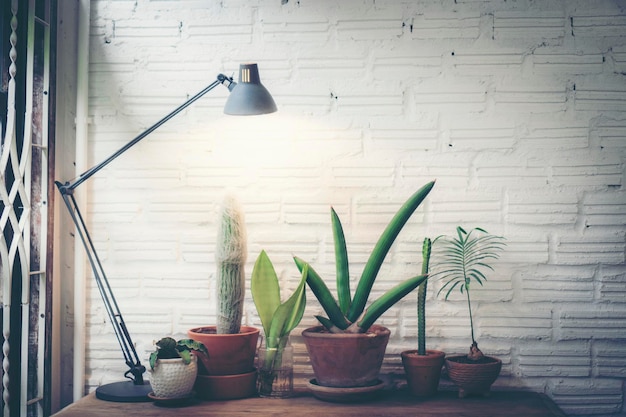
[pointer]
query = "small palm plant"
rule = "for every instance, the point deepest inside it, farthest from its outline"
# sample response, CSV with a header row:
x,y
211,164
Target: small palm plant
x,y
465,258
348,314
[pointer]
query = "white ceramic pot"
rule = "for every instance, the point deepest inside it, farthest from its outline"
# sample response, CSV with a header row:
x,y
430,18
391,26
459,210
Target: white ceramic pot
x,y
172,378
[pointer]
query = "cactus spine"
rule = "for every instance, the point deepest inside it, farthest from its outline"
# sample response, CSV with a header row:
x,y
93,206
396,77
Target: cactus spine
x,y
230,256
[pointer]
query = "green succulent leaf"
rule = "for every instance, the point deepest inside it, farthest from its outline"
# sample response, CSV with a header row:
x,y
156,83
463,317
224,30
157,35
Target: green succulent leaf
x,y
341,260
265,290
382,304
278,319
190,344
166,344
153,358
186,355
323,294
381,249
288,315
325,322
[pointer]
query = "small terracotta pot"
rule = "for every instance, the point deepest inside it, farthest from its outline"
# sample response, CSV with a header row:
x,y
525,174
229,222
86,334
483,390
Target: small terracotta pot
x,y
229,354
423,371
226,387
473,378
346,360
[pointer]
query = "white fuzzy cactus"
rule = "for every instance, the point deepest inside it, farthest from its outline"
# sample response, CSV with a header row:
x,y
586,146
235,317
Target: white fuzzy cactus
x,y
230,255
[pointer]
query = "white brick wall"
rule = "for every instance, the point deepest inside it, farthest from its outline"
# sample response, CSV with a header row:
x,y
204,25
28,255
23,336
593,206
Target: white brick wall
x,y
518,109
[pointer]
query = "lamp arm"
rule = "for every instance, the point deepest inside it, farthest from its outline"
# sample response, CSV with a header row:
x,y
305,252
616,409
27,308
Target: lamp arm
x,y
136,369
69,187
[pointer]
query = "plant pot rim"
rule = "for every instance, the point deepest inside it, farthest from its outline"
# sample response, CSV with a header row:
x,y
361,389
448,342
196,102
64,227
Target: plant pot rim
x,y
322,332
244,330
244,375
429,352
176,360
491,359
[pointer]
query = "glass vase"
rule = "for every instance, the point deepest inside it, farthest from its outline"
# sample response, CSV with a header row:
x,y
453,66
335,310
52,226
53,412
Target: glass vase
x,y
275,369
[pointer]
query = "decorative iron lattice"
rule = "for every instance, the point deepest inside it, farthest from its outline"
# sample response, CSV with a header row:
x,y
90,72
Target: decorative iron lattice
x,y
23,214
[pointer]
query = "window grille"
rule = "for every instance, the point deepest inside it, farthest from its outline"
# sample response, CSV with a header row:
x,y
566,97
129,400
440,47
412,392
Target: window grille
x,y
24,185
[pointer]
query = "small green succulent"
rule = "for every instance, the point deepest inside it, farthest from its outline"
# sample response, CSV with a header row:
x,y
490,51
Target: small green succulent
x,y
169,348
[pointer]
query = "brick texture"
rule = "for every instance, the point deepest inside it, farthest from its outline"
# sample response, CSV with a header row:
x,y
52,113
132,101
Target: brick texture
x,y
517,108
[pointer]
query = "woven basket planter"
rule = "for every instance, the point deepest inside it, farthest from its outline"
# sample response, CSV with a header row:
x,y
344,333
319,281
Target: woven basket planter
x,y
172,378
473,378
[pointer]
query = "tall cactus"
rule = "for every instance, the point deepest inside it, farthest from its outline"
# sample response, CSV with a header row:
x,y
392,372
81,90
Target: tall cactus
x,y
421,299
230,256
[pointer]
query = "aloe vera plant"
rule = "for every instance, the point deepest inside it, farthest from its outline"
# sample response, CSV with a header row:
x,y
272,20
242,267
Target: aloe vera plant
x,y
278,319
465,258
349,314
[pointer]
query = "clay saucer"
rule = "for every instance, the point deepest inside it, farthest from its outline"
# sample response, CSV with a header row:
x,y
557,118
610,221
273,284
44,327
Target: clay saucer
x,y
344,395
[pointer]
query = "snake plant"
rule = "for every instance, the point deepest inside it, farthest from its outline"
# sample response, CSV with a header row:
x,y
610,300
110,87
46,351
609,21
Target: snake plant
x,y
348,314
278,319
464,259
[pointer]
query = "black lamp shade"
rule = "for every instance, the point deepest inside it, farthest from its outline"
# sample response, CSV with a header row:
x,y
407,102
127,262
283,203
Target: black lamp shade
x,y
249,97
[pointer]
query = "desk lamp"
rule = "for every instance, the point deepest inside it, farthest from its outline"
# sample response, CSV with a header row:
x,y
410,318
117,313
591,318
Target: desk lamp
x,y
247,97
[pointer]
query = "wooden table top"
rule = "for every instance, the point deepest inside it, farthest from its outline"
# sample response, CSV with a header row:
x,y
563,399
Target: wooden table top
x,y
303,404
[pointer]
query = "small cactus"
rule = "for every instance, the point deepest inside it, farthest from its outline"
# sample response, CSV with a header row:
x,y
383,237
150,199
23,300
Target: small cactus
x,y
230,256
421,299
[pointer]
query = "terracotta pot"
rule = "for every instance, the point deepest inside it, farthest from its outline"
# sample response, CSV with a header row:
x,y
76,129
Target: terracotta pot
x,y
423,371
226,387
473,378
172,378
229,354
346,360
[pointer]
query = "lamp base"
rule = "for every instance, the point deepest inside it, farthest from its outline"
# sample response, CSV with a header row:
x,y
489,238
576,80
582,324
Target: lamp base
x,y
124,392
